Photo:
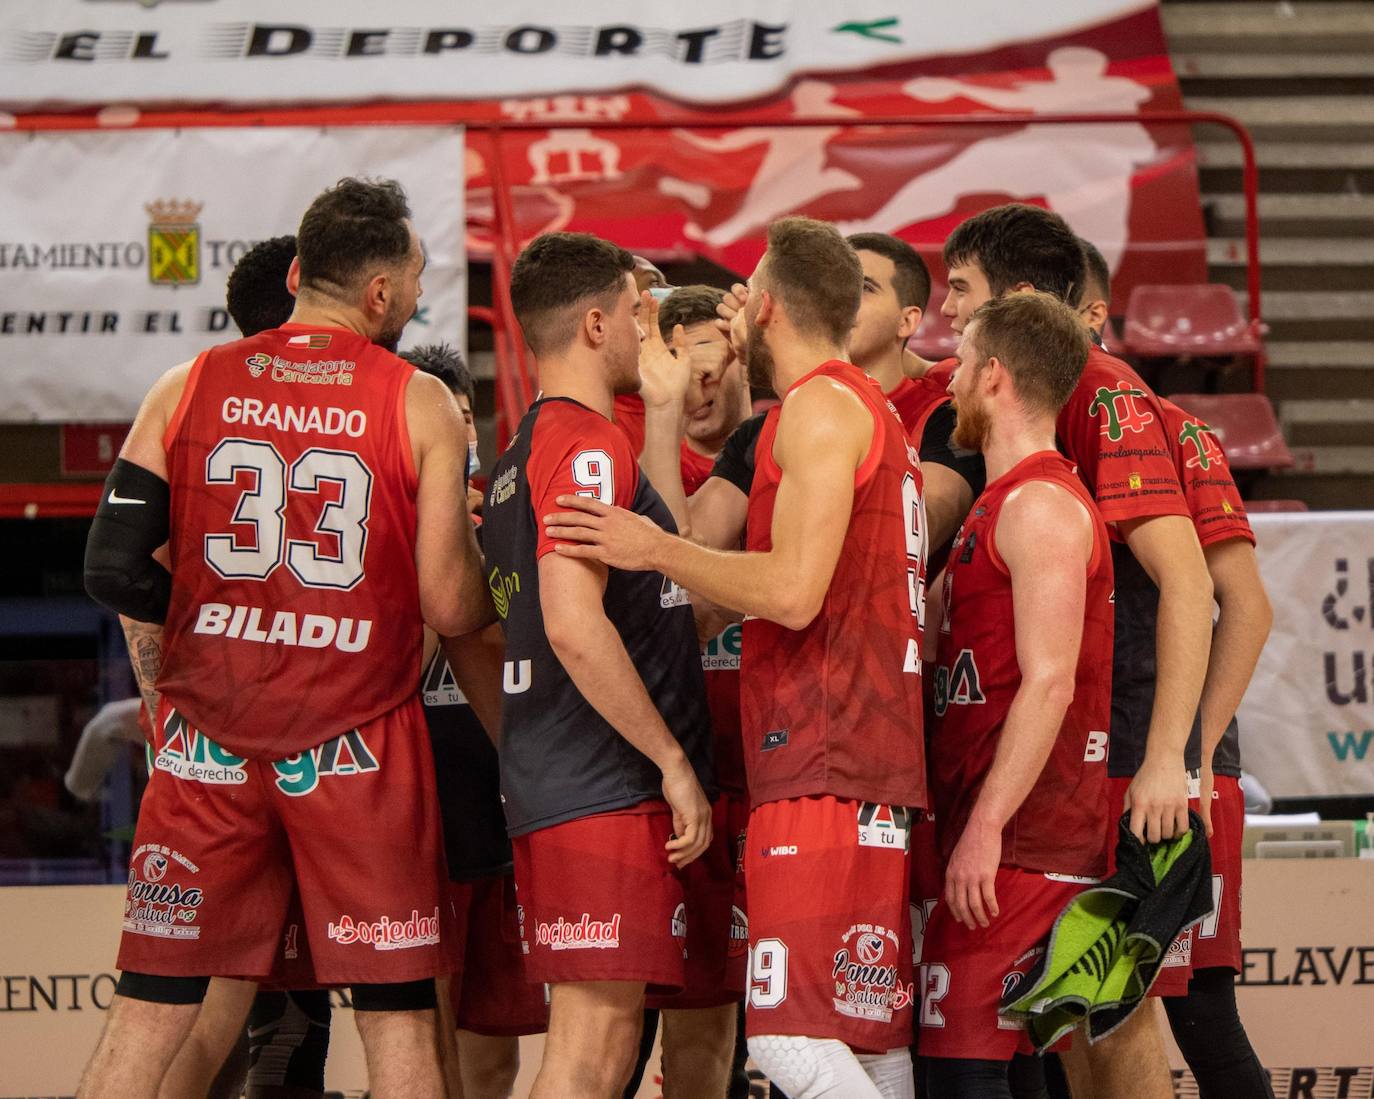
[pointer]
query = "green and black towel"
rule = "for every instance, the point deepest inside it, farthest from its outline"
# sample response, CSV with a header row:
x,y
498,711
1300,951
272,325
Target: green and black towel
x,y
1105,949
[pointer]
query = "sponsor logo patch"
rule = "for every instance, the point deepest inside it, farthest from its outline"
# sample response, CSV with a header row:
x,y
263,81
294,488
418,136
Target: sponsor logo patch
x,y
583,934
886,826
156,905
386,933
864,972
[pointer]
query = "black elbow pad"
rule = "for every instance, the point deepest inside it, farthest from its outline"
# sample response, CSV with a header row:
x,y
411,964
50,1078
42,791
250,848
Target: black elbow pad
x,y
130,524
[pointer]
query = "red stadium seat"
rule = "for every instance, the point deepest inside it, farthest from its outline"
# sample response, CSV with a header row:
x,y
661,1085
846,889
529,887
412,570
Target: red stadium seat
x,y
1255,506
1244,424
934,339
1175,321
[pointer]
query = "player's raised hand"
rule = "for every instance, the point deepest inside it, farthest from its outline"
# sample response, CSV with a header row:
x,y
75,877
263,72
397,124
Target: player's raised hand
x,y
732,306
664,372
691,813
1157,800
971,877
611,535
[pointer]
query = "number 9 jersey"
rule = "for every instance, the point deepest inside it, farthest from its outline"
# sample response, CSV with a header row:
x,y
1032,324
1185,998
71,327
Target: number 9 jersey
x,y
295,611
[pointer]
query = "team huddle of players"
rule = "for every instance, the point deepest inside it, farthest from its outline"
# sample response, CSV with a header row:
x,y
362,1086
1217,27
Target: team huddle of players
x,y
811,710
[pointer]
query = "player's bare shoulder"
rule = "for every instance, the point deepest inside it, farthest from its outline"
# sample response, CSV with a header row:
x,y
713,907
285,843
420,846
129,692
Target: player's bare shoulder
x,y
432,414
820,414
1045,518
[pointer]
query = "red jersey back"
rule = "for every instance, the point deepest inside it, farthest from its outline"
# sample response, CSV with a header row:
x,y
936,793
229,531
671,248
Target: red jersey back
x,y
1059,827
1213,499
295,610
835,708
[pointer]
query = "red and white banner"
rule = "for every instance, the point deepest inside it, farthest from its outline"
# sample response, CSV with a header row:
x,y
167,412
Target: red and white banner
x,y
1130,187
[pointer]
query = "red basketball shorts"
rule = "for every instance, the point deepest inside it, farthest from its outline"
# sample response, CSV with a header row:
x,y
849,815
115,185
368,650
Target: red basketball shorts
x,y
599,900
963,972
829,928
490,993
222,841
717,928
1215,941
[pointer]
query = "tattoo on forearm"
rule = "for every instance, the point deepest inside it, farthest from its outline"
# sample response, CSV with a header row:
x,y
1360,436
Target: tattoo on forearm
x,y
148,656
145,654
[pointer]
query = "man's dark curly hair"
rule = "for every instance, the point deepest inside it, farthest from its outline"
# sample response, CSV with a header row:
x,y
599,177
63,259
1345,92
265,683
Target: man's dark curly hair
x,y
350,232
256,295
443,361
1019,243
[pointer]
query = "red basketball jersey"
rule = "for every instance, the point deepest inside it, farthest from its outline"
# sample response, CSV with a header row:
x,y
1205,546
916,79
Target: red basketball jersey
x,y
835,708
1059,827
1213,499
295,610
1112,429
916,398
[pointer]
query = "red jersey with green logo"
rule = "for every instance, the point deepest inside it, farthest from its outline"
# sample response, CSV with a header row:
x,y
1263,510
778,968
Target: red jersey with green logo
x,y
295,611
835,708
1213,499
1059,827
1113,429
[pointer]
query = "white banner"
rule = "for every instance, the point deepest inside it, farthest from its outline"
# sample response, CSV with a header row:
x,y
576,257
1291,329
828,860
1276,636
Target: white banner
x,y
65,52
115,247
1307,722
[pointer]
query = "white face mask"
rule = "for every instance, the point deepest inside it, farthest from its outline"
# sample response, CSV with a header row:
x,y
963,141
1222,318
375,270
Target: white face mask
x,y
474,462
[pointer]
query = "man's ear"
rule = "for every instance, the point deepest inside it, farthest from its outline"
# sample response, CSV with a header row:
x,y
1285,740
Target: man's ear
x,y
377,294
595,326
1022,287
911,320
767,306
1095,314
994,374
293,276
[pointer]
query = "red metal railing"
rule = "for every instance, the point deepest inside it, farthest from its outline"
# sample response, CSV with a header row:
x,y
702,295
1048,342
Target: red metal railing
x,y
503,236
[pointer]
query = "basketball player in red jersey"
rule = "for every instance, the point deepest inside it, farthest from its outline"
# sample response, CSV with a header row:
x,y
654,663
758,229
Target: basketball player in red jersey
x,y
833,584
1018,757
305,479
1112,429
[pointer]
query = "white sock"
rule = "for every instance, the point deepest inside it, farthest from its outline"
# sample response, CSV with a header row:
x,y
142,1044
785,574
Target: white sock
x,y
814,1068
891,1073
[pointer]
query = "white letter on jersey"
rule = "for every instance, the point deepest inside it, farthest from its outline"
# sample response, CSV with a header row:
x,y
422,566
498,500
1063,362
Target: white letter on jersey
x,y
1097,747
519,682
213,618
